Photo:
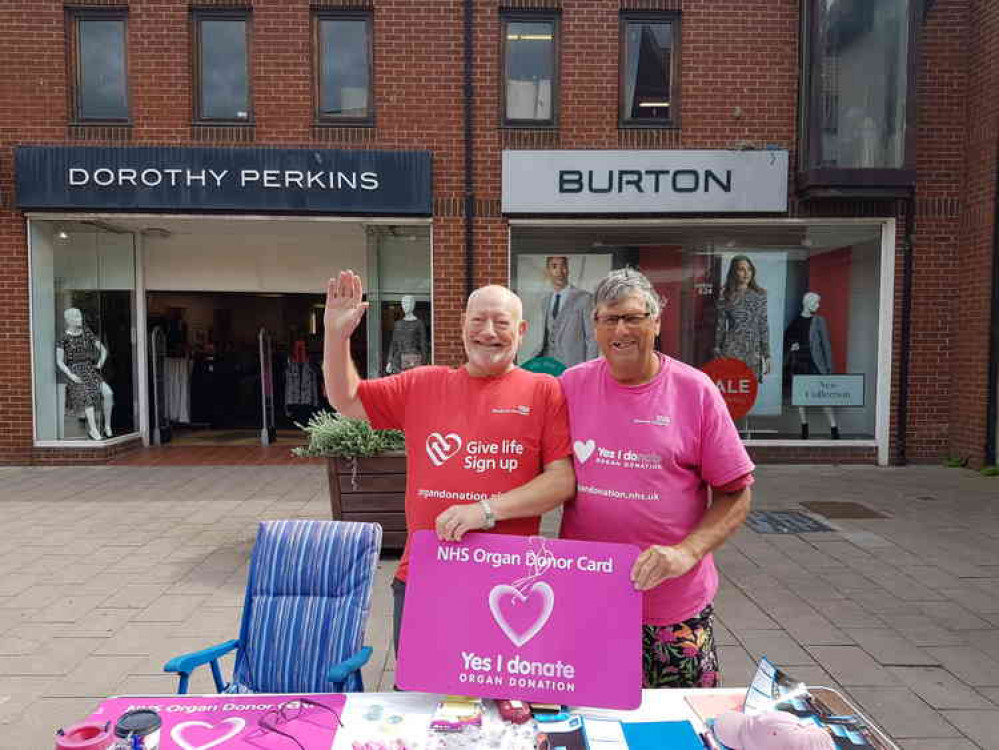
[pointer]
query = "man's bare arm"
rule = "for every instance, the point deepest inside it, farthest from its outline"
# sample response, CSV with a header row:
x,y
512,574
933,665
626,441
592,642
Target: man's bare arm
x,y
549,489
723,518
344,309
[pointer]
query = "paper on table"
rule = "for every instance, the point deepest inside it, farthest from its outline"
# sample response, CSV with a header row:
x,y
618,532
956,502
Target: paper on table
x,y
604,734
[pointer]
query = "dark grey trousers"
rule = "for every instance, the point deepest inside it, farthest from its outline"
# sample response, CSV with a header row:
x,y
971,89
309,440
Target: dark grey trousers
x,y
398,600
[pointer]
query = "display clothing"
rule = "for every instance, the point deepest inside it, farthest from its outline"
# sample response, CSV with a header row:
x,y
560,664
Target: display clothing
x,y
497,434
644,457
177,388
814,353
301,384
81,355
567,333
681,655
409,347
741,329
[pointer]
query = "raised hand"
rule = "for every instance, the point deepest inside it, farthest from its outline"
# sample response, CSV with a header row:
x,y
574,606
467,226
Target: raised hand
x,y
344,304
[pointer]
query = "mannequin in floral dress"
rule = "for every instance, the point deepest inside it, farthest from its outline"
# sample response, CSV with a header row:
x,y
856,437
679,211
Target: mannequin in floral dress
x,y
79,356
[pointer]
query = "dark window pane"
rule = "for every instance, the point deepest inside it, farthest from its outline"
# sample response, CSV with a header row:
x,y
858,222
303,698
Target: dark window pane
x,y
344,79
859,82
530,69
647,70
224,84
103,91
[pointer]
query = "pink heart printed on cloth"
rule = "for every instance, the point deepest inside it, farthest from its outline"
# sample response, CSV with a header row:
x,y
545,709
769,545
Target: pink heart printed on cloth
x,y
502,616
231,722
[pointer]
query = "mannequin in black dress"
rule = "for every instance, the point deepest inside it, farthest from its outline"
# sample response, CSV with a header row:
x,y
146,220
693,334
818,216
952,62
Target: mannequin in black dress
x,y
806,342
409,346
80,355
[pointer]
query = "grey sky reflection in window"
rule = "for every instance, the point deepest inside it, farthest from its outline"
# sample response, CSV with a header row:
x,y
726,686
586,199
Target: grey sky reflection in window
x,y
224,84
344,78
647,71
530,69
103,91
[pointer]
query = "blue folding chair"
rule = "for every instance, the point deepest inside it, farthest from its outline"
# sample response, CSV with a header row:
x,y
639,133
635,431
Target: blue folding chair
x,y
308,597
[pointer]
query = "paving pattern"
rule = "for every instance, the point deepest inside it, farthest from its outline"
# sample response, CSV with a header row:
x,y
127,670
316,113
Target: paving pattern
x,y
106,572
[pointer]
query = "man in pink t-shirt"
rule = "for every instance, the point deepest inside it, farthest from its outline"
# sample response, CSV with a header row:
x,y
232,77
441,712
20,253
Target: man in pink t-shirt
x,y
650,436
487,444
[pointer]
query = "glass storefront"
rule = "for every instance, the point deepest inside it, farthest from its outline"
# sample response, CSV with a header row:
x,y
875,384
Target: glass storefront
x,y
209,288
83,301
785,317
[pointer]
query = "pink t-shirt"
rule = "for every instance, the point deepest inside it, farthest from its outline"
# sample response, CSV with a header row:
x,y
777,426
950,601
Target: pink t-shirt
x,y
644,457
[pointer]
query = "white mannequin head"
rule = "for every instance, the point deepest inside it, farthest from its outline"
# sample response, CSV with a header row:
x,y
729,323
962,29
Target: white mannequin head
x,y
810,304
73,319
408,305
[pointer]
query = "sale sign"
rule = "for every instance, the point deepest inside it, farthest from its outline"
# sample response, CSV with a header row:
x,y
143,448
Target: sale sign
x,y
737,383
545,620
237,721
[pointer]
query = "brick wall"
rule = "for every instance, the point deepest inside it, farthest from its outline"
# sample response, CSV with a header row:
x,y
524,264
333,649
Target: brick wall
x,y
739,86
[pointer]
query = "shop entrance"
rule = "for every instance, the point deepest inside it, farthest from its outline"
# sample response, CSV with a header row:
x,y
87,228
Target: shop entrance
x,y
212,372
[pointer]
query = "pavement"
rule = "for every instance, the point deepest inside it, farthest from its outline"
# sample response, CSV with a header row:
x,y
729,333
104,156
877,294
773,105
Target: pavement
x,y
107,572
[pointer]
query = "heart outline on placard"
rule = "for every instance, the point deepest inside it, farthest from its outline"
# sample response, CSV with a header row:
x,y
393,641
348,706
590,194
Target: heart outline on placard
x,y
175,734
583,450
440,448
548,597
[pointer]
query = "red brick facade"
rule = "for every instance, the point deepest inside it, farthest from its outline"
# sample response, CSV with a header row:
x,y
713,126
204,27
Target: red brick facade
x,y
740,84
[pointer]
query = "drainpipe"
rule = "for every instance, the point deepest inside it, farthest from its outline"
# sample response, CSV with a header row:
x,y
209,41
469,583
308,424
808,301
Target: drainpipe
x,y
469,157
992,408
905,330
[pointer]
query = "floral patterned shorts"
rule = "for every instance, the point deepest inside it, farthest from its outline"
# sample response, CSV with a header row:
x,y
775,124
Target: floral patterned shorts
x,y
681,655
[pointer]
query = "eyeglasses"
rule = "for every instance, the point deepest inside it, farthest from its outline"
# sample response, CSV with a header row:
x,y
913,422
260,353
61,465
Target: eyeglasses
x,y
633,320
289,711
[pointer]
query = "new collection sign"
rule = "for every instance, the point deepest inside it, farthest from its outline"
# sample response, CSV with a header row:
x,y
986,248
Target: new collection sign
x,y
675,181
827,390
545,620
244,179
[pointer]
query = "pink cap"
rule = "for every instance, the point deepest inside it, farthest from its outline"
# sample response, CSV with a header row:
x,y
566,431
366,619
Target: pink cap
x,y
88,735
773,730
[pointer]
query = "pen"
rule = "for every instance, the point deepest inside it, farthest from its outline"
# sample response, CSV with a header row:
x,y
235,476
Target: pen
x,y
708,741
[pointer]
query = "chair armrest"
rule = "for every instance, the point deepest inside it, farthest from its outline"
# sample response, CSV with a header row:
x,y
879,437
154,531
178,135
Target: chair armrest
x,y
187,663
339,672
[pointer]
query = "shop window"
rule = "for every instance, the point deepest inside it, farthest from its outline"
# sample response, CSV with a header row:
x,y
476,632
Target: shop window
x,y
857,103
99,66
222,70
82,302
785,318
649,66
343,59
530,70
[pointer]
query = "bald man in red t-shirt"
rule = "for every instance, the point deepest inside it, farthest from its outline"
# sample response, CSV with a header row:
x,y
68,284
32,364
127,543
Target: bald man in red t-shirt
x,y
487,444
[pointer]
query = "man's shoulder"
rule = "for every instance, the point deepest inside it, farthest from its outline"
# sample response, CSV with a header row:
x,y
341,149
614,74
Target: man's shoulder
x,y
687,377
575,291
584,372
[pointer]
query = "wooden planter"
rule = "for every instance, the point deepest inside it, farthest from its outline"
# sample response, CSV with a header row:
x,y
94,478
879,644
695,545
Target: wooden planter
x,y
376,492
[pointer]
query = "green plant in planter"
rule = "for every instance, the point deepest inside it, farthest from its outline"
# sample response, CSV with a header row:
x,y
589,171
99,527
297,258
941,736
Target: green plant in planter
x,y
335,436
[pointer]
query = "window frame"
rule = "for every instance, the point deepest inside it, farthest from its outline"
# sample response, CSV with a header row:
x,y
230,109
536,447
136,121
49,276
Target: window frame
x,y
674,19
76,15
554,17
318,16
220,14
858,182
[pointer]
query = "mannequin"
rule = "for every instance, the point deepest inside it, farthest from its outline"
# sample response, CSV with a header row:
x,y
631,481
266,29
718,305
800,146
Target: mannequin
x,y
809,353
79,356
409,340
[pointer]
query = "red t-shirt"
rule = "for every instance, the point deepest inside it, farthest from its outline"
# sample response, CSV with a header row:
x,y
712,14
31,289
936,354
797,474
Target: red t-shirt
x,y
468,438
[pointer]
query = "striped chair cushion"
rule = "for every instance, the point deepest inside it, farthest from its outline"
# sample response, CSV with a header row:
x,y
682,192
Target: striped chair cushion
x,y
308,598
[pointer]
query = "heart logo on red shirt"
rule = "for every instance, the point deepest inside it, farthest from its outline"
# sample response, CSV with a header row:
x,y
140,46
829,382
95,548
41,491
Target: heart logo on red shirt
x,y
442,447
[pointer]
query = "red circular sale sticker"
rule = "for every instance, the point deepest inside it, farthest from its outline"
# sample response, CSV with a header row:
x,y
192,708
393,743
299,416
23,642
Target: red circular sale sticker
x,y
737,383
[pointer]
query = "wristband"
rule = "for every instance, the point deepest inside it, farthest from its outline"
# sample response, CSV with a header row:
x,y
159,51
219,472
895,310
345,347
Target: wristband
x,y
488,512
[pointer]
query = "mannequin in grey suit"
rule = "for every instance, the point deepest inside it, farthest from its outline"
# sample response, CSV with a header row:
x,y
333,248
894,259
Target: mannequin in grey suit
x,y
810,353
567,318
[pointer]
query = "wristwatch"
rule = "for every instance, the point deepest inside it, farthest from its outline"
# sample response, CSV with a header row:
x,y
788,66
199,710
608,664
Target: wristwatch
x,y
490,516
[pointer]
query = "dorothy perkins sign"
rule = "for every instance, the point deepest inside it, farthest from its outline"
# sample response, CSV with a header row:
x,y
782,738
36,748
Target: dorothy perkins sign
x,y
226,179
652,182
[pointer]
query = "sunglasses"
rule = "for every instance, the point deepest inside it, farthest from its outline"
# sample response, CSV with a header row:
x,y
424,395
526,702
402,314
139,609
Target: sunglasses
x,y
289,711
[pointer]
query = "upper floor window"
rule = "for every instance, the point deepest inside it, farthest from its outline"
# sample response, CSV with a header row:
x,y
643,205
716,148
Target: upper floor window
x,y
530,70
344,52
99,62
649,64
222,67
858,73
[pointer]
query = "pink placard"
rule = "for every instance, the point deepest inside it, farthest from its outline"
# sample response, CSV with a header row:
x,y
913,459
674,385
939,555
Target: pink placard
x,y
232,722
545,620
